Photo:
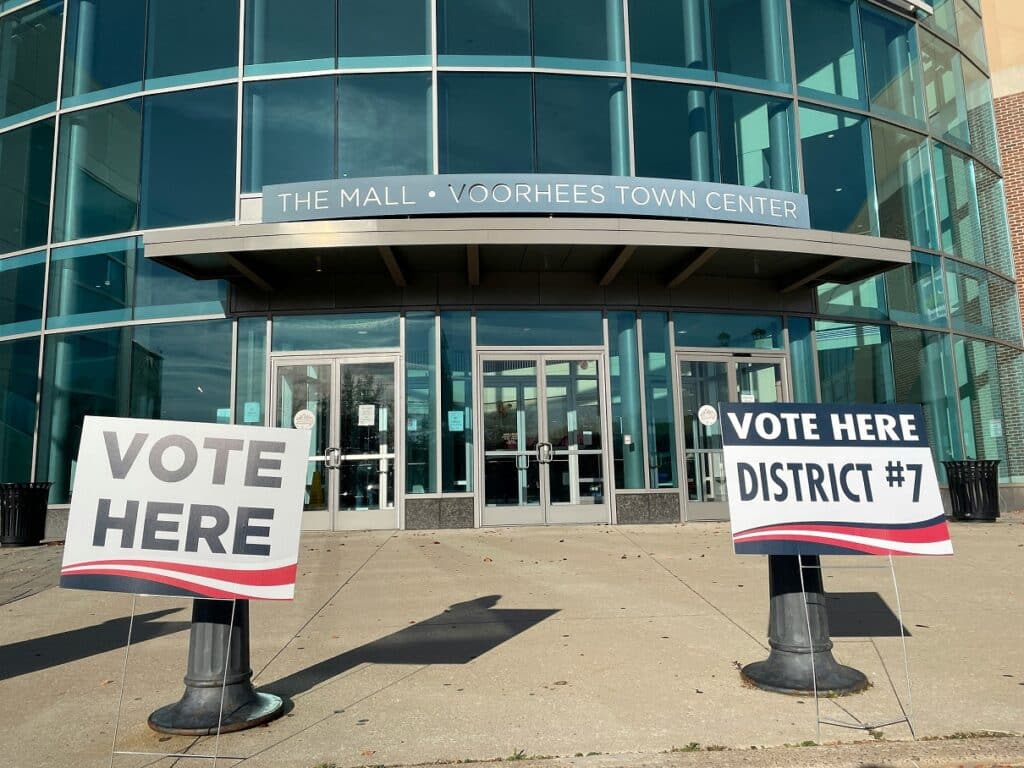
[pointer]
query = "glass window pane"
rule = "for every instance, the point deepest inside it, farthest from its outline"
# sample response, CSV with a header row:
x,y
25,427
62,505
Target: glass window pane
x,y
92,283
21,293
959,219
903,184
864,299
674,131
188,161
384,125
581,125
1010,363
26,160
970,32
854,363
943,17
757,141
29,59
672,39
103,52
981,119
944,89
924,375
980,399
627,419
826,39
756,51
704,329
250,407
917,292
190,41
420,402
485,123
19,365
801,356
391,34
289,132
551,328
981,303
164,292
838,173
98,171
995,229
890,51
661,439
578,34
483,34
356,331
289,36
456,403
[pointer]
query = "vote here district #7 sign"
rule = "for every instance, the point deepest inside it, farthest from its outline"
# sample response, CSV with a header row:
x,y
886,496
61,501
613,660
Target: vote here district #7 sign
x,y
177,508
831,480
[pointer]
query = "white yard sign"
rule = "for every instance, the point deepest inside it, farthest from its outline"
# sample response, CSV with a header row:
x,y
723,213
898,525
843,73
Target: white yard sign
x,y
179,508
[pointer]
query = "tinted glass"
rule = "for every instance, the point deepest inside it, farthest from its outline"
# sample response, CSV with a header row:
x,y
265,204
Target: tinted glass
x,y
356,331
103,52
384,128
826,39
674,134
981,114
943,17
711,330
756,50
26,160
289,35
981,303
657,362
92,283
188,161
581,125
373,33
944,89
757,141
289,130
164,292
854,363
890,51
959,218
485,34
98,171
19,365
29,59
980,399
21,293
903,183
671,39
251,370
552,328
801,356
578,34
917,292
970,32
995,230
190,41
863,299
838,177
456,403
485,123
627,419
420,402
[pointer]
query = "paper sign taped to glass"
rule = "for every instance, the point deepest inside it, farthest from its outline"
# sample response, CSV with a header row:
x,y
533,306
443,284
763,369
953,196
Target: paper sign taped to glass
x,y
194,510
831,480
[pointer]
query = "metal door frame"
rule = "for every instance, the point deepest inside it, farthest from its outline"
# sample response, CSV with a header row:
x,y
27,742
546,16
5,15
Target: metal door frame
x,y
546,512
715,510
334,519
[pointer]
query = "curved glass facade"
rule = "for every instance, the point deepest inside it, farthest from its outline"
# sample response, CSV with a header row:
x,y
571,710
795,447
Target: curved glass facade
x,y
122,116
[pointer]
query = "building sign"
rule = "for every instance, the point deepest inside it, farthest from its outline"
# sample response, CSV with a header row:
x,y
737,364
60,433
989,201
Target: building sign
x,y
176,508
831,480
468,195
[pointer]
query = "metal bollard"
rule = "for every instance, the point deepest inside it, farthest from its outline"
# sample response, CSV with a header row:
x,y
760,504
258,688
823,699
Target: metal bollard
x,y
788,666
199,710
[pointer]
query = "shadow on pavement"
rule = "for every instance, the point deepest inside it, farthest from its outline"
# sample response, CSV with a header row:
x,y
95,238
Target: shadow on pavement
x,y
457,636
53,650
861,614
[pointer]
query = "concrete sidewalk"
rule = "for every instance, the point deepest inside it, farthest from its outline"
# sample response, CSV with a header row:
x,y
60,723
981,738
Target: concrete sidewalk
x,y
415,647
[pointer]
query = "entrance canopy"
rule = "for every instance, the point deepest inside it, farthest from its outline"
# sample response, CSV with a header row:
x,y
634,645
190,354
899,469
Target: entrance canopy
x,y
265,255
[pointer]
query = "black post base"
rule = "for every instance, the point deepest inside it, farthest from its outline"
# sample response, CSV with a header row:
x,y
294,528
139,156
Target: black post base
x,y
199,710
788,668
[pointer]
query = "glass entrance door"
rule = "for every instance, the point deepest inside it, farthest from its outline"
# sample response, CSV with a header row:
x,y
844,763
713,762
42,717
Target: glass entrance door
x,y
543,427
710,379
349,404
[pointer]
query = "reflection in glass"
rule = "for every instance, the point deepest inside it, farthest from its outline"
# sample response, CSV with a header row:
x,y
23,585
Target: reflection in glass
x,y
456,403
19,362
367,428
308,388
864,299
970,32
103,52
981,117
672,39
578,34
707,329
756,51
759,382
757,141
904,186
510,424
944,92
420,402
366,485
829,59
29,59
854,363
21,293
996,233
376,34
573,407
917,292
539,328
471,33
581,125
289,35
354,331
661,442
190,41
703,383
485,122
26,160
627,418
959,218
980,400
251,367
981,303
674,131
890,51
801,357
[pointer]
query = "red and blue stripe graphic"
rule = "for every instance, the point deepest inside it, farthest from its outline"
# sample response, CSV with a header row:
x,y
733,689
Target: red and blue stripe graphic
x,y
926,537
155,577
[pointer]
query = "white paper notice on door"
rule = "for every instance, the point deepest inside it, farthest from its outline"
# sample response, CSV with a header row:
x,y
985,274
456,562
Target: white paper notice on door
x,y
367,415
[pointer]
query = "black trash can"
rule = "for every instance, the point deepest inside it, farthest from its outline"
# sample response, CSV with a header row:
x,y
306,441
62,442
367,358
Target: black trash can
x,y
23,513
974,489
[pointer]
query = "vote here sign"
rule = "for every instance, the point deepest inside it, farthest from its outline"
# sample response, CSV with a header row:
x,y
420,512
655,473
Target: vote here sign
x,y
177,508
831,480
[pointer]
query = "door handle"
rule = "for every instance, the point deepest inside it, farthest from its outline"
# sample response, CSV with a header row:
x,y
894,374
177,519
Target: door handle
x,y
544,451
522,461
332,458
